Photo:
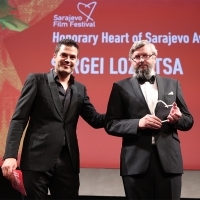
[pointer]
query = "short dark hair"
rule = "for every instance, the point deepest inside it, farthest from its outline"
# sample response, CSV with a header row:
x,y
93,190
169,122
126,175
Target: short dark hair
x,y
67,42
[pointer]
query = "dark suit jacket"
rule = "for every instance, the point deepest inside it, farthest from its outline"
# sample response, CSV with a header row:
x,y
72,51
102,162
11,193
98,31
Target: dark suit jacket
x,y
127,106
39,105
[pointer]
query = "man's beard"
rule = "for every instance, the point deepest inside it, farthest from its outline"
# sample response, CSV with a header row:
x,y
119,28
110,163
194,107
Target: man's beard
x,y
63,73
144,73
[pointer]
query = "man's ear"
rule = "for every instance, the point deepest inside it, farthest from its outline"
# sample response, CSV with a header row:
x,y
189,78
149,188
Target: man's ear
x,y
54,55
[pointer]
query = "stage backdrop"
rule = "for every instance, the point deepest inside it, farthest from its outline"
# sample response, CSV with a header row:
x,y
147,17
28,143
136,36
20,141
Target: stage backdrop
x,y
105,31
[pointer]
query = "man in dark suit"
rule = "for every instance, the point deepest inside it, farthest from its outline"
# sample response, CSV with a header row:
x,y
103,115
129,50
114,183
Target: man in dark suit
x,y
51,104
146,111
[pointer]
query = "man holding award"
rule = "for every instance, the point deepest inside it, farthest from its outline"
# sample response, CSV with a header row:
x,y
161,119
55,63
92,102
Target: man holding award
x,y
147,110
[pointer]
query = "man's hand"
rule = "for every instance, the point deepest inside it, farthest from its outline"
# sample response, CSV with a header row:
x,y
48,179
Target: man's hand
x,y
8,166
150,121
174,114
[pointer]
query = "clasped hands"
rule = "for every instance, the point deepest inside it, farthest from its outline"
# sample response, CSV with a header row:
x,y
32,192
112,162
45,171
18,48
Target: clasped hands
x,y
153,122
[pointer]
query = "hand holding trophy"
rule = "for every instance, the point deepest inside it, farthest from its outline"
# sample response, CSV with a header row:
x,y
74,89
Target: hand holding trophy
x,y
175,114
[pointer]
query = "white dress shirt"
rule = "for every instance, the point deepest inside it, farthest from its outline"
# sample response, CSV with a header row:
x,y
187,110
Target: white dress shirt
x,y
150,92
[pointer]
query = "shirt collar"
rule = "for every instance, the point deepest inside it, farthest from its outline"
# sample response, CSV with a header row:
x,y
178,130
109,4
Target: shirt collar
x,y
55,76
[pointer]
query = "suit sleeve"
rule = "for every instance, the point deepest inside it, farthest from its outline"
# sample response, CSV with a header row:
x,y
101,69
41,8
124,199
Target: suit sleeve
x,y
186,121
20,117
89,113
116,123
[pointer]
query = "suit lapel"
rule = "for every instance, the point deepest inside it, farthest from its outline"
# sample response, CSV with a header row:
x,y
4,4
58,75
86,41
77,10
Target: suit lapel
x,y
160,91
55,94
73,104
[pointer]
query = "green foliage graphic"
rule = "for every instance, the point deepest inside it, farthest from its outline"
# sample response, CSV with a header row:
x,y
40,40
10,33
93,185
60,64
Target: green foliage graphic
x,y
9,21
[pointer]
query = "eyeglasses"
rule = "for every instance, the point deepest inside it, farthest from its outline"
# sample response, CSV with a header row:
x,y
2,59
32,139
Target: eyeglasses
x,y
144,57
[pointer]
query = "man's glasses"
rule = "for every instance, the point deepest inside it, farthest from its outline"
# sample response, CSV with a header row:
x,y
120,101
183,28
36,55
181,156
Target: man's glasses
x,y
144,57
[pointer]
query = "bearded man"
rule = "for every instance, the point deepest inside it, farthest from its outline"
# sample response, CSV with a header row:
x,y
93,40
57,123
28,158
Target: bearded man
x,y
147,110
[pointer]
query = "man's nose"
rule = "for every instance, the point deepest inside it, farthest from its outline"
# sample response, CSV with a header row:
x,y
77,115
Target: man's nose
x,y
141,57
67,59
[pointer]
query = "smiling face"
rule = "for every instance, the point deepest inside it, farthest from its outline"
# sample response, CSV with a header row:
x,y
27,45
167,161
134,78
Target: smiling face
x,y
65,60
144,67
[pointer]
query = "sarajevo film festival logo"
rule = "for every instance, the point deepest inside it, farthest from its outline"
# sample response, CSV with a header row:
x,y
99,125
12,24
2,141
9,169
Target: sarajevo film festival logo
x,y
86,9
77,21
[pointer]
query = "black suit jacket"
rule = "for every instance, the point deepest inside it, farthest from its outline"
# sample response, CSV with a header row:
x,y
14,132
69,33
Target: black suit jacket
x,y
127,106
39,105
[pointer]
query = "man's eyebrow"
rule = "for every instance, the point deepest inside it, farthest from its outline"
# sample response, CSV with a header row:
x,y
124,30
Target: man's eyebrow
x,y
66,54
63,53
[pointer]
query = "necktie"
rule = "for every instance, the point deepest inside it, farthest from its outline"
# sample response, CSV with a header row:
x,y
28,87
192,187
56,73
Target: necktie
x,y
143,80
